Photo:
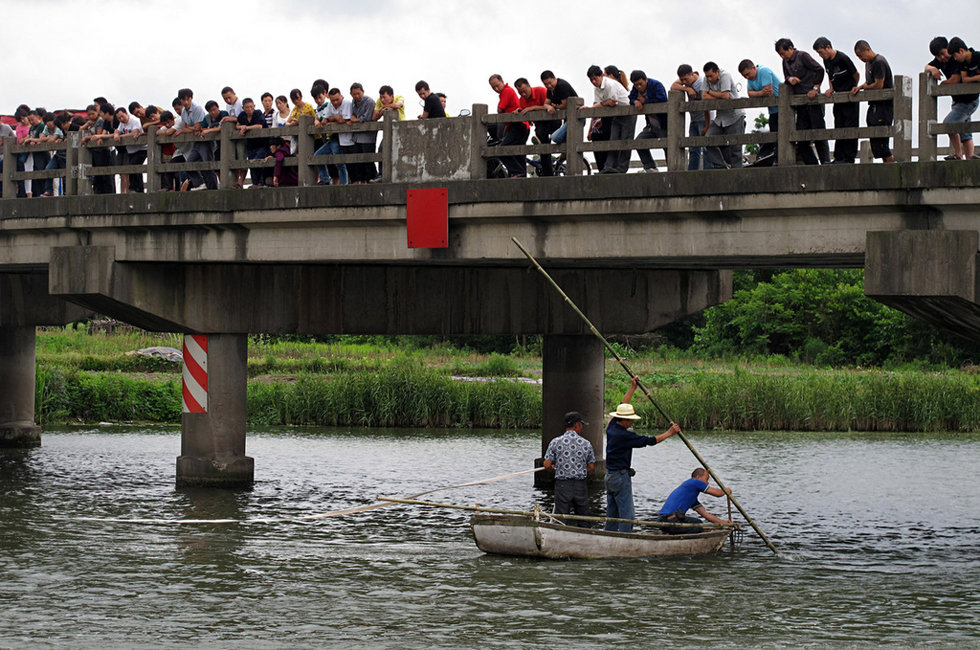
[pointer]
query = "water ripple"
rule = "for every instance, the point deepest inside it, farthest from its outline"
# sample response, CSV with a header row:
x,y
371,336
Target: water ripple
x,y
881,553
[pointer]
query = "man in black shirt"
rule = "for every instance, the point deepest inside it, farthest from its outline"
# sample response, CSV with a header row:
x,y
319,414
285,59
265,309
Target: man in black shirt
x,y
805,76
842,76
877,76
559,91
942,65
432,106
968,65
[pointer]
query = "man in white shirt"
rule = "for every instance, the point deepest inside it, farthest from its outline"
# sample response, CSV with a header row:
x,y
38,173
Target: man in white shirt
x,y
727,121
609,92
135,153
339,111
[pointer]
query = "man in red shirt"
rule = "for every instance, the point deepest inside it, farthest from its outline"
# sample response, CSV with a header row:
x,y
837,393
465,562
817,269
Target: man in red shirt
x,y
515,133
536,99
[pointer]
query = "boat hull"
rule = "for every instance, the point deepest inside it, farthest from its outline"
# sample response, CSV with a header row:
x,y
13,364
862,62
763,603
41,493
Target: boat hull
x,y
522,536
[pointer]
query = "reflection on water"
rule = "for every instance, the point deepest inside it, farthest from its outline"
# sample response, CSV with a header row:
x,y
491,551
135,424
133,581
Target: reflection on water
x,y
881,536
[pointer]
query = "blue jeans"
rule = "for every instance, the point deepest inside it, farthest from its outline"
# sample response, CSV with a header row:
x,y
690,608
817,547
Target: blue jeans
x,y
331,148
619,499
560,133
694,153
56,162
961,113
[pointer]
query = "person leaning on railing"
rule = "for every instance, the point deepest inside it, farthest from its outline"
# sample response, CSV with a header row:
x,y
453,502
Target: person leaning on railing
x,y
877,76
805,76
968,69
364,141
842,76
727,121
648,91
690,82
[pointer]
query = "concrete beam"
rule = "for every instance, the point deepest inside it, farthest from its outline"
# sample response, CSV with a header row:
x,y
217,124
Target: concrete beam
x,y
376,299
929,274
795,216
24,300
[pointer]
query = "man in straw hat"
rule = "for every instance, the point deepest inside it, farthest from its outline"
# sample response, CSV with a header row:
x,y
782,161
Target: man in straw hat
x,y
572,458
620,442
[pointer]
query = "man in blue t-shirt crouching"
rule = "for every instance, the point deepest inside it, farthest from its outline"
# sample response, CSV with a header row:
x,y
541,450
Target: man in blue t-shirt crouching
x,y
684,498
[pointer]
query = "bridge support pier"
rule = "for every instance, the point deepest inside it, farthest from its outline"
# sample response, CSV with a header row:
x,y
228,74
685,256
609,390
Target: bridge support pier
x,y
212,443
933,275
25,303
573,379
17,386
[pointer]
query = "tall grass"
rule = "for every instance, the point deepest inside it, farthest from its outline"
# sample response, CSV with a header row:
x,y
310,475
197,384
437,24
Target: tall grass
x,y
838,401
403,394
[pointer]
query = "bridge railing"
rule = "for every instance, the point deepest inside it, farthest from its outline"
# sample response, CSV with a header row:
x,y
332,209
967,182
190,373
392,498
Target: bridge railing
x,y
929,125
80,169
677,141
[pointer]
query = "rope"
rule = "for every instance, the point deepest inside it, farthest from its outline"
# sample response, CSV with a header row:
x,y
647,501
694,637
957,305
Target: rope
x,y
322,515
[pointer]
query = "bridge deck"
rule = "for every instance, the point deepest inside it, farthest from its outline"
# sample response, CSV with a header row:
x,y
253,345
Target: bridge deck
x,y
797,216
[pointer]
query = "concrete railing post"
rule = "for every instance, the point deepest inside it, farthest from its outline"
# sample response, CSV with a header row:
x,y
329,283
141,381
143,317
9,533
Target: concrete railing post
x,y
787,128
72,142
574,162
153,159
928,115
864,152
225,178
903,118
84,168
387,146
304,152
9,167
676,125
478,141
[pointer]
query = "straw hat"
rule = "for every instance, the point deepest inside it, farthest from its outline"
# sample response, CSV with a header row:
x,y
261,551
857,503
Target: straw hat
x,y
624,412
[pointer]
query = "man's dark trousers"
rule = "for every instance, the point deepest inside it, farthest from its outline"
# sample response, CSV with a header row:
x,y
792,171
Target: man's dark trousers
x,y
572,497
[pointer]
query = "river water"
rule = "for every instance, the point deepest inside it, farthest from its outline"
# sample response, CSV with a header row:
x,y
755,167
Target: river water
x,y
881,536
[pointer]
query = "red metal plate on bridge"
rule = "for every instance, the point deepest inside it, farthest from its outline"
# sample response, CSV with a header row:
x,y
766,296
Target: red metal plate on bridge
x,y
428,218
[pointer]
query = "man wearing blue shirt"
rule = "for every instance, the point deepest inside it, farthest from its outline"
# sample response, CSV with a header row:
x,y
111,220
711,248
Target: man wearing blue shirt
x,y
572,458
763,83
684,498
620,443
648,91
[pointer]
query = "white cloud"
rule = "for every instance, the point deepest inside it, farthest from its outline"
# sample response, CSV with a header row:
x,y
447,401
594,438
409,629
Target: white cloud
x,y
147,50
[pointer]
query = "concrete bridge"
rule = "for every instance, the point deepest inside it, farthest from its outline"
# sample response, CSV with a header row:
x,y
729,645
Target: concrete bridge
x,y
635,251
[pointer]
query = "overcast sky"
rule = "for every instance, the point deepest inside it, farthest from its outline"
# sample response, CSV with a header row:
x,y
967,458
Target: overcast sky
x,y
144,50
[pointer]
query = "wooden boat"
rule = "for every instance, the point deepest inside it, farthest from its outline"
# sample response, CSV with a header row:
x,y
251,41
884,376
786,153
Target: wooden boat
x,y
525,536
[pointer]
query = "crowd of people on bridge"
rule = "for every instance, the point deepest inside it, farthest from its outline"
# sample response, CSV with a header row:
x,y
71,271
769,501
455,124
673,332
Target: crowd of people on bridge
x,y
119,131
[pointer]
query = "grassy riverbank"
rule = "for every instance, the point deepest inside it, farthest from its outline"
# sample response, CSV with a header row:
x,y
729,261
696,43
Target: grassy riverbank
x,y
91,378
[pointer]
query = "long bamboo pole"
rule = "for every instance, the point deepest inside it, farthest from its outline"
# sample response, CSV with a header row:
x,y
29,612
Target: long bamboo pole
x,y
528,513
632,375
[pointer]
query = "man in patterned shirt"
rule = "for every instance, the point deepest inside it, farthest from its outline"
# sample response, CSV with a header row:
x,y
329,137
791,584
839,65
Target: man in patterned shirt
x,y
572,458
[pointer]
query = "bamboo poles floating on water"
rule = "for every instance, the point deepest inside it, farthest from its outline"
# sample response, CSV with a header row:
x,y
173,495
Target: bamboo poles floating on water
x,y
528,513
643,388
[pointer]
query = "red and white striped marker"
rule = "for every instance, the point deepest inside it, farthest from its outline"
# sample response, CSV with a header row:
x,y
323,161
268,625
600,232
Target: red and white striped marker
x,y
195,373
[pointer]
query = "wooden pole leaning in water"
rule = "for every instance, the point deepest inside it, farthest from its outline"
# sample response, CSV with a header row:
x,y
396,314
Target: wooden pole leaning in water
x,y
643,388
